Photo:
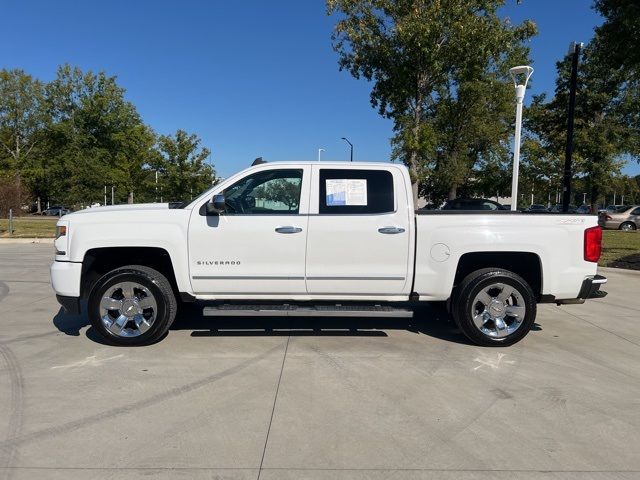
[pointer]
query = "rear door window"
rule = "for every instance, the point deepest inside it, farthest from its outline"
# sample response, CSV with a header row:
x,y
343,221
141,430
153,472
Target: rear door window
x,y
347,191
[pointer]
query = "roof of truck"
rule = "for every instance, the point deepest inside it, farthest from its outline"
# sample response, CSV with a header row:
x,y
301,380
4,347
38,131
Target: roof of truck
x,y
333,162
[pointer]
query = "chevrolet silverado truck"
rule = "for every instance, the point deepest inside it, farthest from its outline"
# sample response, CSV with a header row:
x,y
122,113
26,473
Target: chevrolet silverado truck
x,y
320,239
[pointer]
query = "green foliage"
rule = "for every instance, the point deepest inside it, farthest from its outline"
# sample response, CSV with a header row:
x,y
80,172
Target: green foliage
x,y
438,70
68,139
618,38
181,163
603,130
280,190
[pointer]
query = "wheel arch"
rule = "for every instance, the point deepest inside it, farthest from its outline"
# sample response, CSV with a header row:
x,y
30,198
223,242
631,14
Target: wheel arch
x,y
99,261
525,264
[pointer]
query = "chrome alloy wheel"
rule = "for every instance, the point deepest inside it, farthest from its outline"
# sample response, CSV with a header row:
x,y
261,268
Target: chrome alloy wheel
x,y
498,310
128,309
627,227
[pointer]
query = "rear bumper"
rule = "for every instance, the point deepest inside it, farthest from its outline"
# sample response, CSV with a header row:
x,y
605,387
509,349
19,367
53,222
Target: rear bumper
x,y
590,289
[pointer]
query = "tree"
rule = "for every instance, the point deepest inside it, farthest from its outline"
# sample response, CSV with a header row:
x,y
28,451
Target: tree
x,y
95,137
618,38
21,121
431,62
603,132
280,190
182,166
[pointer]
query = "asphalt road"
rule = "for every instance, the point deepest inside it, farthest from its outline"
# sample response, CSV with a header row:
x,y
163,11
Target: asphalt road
x,y
299,399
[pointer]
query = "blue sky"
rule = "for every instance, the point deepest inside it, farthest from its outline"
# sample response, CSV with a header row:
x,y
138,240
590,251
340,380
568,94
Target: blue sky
x,y
251,78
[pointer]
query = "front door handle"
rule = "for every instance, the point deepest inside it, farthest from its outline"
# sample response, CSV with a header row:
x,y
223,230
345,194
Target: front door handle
x,y
288,229
391,230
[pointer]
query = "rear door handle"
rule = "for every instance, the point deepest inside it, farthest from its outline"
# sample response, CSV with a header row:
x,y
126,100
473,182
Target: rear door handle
x,y
288,229
391,230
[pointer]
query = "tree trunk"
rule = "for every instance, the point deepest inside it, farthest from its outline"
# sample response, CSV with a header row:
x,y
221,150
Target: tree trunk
x,y
453,192
39,205
594,194
130,198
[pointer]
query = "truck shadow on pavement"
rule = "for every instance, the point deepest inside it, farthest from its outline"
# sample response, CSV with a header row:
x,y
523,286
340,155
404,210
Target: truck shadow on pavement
x,y
432,321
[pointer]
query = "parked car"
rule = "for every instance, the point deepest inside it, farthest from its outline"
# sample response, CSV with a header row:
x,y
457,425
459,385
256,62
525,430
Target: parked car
x,y
536,208
342,239
614,208
472,204
557,208
56,211
584,209
626,219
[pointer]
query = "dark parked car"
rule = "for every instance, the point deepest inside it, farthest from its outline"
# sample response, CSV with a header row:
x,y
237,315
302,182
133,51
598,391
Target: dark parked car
x,y
557,208
56,211
472,204
536,207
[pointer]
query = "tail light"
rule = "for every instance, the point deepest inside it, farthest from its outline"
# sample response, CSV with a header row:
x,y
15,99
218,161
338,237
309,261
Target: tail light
x,y
592,244
608,217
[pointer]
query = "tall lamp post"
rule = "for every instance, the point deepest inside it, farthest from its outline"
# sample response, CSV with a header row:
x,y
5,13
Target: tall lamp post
x,y
350,146
518,74
320,150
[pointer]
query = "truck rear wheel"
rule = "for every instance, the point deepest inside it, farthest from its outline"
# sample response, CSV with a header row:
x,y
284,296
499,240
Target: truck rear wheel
x,y
132,305
494,307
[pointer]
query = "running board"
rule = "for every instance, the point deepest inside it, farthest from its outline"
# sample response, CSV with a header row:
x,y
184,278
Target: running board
x,y
285,310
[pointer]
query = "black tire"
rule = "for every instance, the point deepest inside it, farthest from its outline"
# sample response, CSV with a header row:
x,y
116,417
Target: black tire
x,y
156,283
471,286
631,224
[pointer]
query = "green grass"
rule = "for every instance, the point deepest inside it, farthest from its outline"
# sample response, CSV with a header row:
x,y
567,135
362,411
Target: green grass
x,y
29,227
620,249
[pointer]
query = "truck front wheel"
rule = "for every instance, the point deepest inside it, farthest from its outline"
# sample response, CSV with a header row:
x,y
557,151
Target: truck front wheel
x,y
132,305
494,307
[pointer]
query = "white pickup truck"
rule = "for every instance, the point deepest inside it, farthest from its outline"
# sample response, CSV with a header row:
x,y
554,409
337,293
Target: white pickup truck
x,y
321,239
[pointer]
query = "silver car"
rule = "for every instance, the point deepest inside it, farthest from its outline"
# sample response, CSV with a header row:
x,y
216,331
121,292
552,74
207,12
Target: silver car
x,y
627,219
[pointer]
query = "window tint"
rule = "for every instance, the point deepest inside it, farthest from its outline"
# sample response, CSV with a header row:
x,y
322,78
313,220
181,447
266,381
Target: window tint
x,y
356,191
636,211
271,192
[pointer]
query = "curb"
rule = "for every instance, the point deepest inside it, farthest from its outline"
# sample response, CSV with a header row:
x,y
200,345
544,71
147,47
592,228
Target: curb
x,y
619,270
9,241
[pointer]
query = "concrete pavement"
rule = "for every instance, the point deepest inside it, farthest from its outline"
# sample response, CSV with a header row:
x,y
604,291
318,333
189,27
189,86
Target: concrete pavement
x,y
316,399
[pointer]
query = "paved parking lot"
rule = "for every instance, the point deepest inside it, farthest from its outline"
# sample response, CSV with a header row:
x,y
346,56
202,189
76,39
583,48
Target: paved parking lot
x,y
299,399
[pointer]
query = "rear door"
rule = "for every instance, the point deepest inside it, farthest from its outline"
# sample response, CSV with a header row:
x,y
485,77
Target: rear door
x,y
359,232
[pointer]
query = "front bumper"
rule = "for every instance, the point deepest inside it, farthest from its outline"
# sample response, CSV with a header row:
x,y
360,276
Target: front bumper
x,y
65,278
71,305
590,289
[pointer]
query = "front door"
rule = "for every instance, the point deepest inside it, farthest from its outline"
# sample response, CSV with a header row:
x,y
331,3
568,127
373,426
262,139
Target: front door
x,y
257,246
359,232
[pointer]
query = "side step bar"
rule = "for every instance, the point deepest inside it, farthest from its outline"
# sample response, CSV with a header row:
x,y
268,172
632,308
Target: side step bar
x,y
287,310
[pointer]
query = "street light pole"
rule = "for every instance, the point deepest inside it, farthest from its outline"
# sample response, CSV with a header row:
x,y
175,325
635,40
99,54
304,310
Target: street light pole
x,y
574,49
522,71
320,150
350,146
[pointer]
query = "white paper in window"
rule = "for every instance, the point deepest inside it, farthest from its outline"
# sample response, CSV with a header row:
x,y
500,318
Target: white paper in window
x,y
346,192
356,192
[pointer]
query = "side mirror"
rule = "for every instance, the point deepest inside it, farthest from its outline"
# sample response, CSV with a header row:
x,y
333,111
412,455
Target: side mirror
x,y
216,206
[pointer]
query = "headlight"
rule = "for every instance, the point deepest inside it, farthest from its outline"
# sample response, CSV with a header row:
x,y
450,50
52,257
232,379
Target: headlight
x,y
61,242
61,231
